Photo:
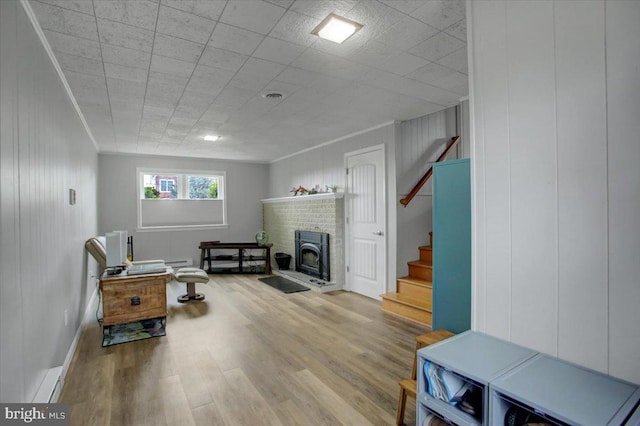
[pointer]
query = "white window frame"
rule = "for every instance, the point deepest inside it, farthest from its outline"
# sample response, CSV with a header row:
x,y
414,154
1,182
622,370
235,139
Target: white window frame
x,y
182,187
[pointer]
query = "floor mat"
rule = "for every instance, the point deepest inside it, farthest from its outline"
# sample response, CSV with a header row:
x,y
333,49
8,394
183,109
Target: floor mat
x,y
283,284
132,331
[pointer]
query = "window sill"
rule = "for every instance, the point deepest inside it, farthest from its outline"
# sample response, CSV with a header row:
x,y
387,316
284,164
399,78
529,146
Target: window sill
x,y
181,228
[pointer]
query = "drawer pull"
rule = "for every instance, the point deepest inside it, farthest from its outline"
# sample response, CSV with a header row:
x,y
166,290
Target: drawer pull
x,y
135,300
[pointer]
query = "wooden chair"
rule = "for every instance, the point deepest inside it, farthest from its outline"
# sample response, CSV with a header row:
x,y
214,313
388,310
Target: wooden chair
x,y
408,386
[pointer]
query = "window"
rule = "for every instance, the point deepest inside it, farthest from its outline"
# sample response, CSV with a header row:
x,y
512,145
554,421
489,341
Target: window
x,y
171,199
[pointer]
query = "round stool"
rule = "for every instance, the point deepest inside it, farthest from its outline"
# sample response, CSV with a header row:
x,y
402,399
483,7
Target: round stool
x,y
191,276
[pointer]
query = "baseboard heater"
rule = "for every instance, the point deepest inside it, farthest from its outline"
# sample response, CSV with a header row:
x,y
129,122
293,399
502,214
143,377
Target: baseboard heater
x,y
50,387
179,263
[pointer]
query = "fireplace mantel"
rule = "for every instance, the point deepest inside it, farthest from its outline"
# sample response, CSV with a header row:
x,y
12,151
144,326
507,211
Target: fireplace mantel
x,y
321,196
319,213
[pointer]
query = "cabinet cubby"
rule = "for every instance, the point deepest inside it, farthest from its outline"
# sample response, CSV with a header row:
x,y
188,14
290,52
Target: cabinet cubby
x,y
563,393
476,358
512,378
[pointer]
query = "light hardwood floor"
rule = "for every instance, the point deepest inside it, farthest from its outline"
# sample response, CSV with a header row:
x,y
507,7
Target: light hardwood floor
x,y
249,355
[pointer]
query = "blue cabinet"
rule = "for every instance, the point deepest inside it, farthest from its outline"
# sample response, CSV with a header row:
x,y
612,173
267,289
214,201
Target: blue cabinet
x,y
452,245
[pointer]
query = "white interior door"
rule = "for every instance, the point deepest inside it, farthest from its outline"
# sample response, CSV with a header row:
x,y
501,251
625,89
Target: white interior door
x,y
365,222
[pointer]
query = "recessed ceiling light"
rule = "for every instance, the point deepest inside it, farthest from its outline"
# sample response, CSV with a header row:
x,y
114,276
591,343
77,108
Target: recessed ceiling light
x,y
211,138
336,28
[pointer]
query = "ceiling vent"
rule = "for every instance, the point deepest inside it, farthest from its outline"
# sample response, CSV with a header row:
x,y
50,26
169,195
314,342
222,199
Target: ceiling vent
x,y
273,95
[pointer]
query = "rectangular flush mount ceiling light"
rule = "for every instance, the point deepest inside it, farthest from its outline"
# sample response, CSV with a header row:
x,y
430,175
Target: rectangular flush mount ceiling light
x,y
336,28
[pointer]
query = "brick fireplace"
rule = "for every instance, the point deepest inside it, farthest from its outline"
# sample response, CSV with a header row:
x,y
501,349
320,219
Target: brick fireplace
x,y
321,213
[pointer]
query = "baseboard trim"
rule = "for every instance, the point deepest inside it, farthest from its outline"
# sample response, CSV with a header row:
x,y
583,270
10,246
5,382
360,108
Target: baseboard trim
x,y
87,317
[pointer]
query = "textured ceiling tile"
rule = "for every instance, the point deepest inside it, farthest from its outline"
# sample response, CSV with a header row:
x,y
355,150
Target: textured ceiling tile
x,y
279,51
125,73
315,60
249,81
298,76
80,64
123,35
403,63
406,33
458,30
373,53
126,88
177,48
235,39
281,3
430,74
344,50
183,121
146,146
376,17
404,6
234,96
64,43
124,56
184,25
139,13
463,89
153,126
263,68
296,28
224,59
86,84
329,90
171,66
210,9
196,102
322,8
453,80
214,116
150,112
168,139
209,80
127,105
257,16
456,60
438,46
441,13
149,136
82,6
164,90
65,21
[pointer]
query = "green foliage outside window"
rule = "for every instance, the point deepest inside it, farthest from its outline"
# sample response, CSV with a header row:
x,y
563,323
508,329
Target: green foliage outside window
x,y
213,189
151,192
203,187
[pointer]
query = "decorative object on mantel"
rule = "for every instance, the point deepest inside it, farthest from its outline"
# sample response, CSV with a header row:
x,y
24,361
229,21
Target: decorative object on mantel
x,y
262,238
332,188
299,190
315,190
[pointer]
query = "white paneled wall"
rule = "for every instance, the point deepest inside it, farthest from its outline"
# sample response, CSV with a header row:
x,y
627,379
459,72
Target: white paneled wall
x,y
246,184
45,151
421,142
325,166
555,101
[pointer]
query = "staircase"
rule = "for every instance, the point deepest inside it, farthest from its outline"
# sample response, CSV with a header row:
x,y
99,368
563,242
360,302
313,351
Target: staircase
x,y
413,299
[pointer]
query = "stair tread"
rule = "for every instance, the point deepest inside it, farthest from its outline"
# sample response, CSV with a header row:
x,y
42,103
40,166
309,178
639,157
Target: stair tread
x,y
407,300
420,263
416,281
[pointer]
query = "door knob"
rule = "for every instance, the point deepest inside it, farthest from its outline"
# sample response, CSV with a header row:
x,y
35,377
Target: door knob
x,y
378,233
